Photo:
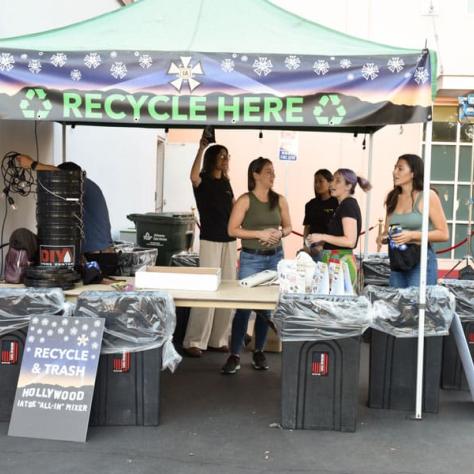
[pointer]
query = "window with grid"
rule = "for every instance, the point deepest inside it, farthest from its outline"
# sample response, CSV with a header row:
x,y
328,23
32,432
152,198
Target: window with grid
x,y
451,157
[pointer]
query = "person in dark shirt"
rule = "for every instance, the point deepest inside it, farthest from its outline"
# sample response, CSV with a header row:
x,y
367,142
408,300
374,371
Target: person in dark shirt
x,y
346,223
319,210
210,328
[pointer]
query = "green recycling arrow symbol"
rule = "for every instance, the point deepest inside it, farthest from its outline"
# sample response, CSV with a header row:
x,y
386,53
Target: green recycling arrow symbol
x,y
39,113
324,101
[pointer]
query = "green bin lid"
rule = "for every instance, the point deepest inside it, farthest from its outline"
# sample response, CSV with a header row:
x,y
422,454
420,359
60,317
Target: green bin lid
x,y
163,217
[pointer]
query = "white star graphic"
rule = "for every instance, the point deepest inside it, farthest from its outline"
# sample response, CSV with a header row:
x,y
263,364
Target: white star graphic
x,y
185,73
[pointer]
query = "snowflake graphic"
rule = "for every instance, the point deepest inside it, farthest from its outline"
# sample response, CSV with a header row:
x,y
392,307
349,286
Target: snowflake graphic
x,y
93,356
113,54
32,329
31,339
244,58
145,61
262,65
93,60
24,57
58,59
136,53
73,331
54,324
234,55
6,62
93,333
64,322
350,77
345,63
94,345
40,53
60,330
185,73
66,338
28,349
44,322
82,340
370,71
76,322
50,332
292,62
396,64
118,70
321,67
85,327
39,331
421,75
227,65
41,339
34,66
97,324
407,75
76,75
35,320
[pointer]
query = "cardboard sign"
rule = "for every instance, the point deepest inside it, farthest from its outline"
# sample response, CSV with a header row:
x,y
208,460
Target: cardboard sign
x,y
56,384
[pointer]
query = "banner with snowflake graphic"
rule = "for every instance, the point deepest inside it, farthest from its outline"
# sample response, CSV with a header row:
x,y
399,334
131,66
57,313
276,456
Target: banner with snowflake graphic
x,y
56,384
228,90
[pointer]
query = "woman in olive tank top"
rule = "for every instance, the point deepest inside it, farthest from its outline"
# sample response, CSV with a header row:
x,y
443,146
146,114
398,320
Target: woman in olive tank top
x,y
404,210
260,218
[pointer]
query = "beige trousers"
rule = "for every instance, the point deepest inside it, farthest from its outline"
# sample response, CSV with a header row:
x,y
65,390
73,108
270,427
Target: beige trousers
x,y
211,326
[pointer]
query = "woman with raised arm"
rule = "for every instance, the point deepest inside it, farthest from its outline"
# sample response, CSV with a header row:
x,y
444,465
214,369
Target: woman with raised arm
x,y
346,223
209,328
403,222
260,218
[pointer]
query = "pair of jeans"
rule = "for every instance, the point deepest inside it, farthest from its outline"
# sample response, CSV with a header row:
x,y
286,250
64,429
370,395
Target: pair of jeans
x,y
412,277
250,264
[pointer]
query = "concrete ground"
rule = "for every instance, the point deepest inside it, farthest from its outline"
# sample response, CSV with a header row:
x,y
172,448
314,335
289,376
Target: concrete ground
x,y
214,424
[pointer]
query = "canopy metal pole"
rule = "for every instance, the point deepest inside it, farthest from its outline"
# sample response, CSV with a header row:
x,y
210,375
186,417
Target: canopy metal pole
x,y
369,195
423,266
64,142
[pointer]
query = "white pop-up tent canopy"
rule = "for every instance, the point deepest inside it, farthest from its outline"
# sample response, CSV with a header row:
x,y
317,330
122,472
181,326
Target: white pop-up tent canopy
x,y
245,64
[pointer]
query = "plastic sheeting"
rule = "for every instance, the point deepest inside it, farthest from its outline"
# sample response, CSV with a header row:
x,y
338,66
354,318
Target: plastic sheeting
x,y
134,321
463,291
376,269
185,259
18,305
131,259
316,318
395,310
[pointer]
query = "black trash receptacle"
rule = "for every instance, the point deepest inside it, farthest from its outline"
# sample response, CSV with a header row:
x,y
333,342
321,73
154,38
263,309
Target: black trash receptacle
x,y
320,361
452,374
392,378
127,389
137,324
168,232
11,346
319,388
183,259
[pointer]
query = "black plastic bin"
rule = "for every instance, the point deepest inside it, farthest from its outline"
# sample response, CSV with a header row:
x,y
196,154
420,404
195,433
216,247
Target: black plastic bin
x,y
452,375
392,378
168,232
127,389
319,388
184,259
11,346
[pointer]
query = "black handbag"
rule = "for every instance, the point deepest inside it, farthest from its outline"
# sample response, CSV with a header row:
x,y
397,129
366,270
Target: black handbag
x,y
404,260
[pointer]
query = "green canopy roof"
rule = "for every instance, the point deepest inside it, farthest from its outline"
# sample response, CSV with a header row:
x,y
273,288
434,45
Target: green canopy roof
x,y
213,48
254,26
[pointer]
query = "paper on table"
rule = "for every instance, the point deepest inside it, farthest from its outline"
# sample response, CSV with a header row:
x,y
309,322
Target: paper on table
x,y
265,277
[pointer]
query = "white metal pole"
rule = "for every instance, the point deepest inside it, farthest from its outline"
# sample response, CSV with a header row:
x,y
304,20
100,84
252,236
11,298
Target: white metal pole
x,y
369,195
64,142
423,265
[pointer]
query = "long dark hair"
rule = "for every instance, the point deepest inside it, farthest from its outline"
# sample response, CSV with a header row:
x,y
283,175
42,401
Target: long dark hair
x,y
351,178
415,163
256,166
326,174
210,160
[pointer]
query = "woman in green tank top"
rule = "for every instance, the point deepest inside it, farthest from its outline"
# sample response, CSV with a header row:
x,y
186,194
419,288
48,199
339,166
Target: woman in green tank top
x,y
404,210
260,218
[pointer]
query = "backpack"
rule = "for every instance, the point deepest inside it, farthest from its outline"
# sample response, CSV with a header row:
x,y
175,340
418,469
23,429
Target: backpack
x,y
21,254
